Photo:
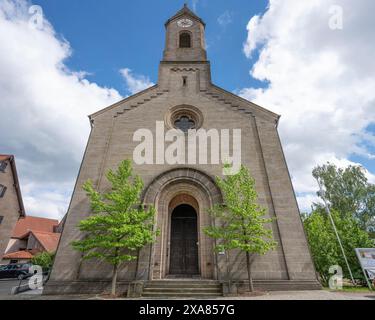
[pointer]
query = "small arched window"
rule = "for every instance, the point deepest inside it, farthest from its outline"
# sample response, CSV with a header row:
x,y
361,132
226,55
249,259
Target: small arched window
x,y
185,40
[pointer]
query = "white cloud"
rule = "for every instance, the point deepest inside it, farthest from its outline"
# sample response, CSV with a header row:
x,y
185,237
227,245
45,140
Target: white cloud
x,y
49,201
195,4
225,19
134,82
320,80
305,201
44,108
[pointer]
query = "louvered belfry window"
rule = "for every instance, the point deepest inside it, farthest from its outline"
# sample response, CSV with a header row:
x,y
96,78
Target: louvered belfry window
x,y
185,40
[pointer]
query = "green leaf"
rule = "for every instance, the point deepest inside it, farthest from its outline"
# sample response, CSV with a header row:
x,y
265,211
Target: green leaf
x,y
240,221
118,226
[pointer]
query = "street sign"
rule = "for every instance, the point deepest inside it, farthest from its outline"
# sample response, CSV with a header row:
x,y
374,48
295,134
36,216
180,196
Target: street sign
x,y
366,257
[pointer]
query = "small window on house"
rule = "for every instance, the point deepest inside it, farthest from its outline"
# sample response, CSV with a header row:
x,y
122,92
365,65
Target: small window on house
x,y
1,219
2,190
3,166
184,81
185,40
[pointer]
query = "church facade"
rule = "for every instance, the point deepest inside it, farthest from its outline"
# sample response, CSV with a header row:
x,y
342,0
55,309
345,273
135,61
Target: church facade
x,y
185,98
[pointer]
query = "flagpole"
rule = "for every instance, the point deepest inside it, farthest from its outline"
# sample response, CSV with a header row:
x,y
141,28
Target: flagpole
x,y
322,194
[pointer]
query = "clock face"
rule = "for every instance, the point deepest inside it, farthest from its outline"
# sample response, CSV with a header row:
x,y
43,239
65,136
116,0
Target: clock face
x,y
184,23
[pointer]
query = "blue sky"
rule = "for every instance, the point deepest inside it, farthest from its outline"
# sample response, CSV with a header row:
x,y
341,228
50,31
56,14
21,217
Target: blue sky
x,y
283,55
106,35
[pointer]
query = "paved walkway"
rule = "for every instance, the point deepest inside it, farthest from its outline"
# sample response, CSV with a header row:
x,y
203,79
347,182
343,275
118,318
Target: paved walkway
x,y
277,295
6,285
313,295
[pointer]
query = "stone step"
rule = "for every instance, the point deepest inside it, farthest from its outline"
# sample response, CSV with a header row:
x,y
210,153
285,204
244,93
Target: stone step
x,y
182,288
164,289
185,284
180,295
194,279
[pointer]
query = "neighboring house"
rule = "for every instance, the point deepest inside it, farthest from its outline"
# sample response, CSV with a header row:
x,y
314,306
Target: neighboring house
x,y
31,236
60,227
11,205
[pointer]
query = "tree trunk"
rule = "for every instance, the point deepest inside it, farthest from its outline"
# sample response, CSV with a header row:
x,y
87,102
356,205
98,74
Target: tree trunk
x,y
248,263
227,265
136,267
114,280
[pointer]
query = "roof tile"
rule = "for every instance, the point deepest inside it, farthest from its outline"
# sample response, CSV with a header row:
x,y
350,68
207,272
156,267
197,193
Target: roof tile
x,y
18,255
48,240
35,224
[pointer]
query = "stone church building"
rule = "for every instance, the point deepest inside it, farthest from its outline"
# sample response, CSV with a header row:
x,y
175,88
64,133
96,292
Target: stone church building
x,y
185,98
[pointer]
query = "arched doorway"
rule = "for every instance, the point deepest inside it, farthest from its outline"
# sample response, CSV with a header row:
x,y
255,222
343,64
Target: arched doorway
x,y
184,242
167,192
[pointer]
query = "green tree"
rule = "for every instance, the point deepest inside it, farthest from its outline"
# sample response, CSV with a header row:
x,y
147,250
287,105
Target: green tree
x,y
119,226
43,259
349,193
324,245
240,220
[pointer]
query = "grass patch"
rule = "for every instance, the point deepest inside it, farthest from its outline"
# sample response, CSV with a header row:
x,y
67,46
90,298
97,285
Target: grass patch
x,y
352,289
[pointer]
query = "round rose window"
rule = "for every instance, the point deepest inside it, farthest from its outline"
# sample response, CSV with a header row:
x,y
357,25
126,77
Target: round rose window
x,y
184,118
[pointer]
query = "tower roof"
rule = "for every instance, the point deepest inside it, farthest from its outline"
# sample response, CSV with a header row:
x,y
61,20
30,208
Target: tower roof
x,y
185,11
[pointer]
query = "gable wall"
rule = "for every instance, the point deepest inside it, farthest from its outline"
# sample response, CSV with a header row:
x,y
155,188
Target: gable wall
x,y
111,142
9,208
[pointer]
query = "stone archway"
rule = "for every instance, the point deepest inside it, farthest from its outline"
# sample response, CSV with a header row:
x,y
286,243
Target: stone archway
x,y
168,191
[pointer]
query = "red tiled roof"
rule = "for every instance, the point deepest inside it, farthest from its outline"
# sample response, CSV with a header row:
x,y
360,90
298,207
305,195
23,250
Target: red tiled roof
x,y
35,224
48,240
5,157
18,255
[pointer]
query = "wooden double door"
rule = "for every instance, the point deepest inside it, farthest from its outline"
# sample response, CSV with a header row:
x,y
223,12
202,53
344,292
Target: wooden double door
x,y
184,242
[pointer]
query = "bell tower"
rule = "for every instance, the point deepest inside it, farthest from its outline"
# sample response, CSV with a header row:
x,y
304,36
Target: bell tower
x,y
185,40
185,63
